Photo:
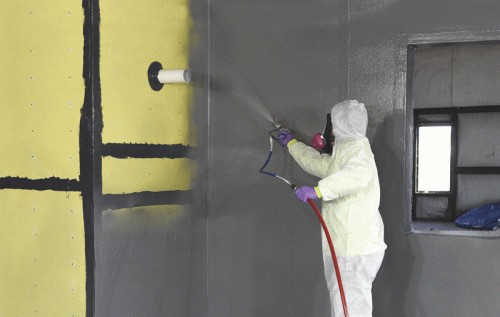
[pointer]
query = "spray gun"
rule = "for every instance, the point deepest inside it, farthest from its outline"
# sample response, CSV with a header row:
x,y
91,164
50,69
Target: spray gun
x,y
277,127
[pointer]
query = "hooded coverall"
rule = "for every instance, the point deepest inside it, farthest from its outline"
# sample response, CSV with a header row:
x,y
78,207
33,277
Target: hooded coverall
x,y
349,188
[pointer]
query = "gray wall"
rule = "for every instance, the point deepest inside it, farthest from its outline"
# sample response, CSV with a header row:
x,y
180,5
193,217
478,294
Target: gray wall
x,y
299,58
264,248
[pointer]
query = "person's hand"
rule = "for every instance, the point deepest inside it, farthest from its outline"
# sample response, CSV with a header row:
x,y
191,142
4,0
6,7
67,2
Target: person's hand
x,y
305,192
284,137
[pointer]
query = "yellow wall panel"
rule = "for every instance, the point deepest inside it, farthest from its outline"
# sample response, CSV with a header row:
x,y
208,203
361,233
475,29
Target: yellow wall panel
x,y
133,35
43,254
121,176
41,88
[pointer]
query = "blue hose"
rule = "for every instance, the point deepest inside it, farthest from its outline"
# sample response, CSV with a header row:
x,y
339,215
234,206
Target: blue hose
x,y
271,137
262,169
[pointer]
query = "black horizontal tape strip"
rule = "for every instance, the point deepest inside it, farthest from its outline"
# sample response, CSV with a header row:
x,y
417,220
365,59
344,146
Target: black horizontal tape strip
x,y
478,170
124,150
52,183
140,199
451,110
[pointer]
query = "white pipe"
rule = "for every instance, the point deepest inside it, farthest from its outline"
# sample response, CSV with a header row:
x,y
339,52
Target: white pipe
x,y
170,76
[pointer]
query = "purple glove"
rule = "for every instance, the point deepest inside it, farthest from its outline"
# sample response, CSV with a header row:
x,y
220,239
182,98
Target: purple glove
x,y
304,192
284,137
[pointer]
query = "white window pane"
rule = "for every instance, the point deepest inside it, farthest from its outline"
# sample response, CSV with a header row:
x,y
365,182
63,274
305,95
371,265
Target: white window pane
x,y
434,151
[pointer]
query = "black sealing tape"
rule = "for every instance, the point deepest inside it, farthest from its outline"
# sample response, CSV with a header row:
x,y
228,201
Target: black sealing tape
x,y
153,71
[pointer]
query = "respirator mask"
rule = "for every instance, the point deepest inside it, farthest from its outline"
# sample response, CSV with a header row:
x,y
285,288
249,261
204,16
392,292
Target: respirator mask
x,y
323,141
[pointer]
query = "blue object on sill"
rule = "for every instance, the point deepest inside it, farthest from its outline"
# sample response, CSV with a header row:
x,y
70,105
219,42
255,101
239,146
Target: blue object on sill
x,y
485,217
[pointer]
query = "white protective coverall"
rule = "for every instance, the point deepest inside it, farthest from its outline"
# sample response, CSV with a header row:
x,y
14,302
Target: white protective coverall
x,y
350,190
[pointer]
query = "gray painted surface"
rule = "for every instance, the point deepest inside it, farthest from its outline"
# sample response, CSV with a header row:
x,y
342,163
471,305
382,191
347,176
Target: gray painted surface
x,y
300,59
149,265
477,190
432,207
458,76
475,76
432,81
264,246
479,138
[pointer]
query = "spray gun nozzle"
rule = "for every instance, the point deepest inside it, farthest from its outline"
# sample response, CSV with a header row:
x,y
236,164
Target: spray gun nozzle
x,y
279,125
276,125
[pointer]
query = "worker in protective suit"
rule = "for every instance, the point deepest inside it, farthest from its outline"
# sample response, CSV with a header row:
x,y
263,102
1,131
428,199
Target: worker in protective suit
x,y
349,188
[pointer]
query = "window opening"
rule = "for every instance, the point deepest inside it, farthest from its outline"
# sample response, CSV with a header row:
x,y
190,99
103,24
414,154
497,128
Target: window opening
x,y
436,167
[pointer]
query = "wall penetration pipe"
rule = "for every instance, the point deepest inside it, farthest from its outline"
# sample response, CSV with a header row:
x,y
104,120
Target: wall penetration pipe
x,y
166,76
157,76
323,224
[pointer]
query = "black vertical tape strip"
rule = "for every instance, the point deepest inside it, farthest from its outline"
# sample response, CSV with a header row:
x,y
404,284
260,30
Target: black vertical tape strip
x,y
91,150
87,142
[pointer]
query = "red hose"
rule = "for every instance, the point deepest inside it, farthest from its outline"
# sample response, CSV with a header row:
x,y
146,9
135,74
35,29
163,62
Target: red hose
x,y
334,257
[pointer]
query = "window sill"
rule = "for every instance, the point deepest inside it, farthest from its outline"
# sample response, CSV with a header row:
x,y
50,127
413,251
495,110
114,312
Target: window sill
x,y
449,228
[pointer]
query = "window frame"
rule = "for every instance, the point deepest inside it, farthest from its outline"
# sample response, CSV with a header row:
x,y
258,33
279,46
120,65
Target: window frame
x,y
454,169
